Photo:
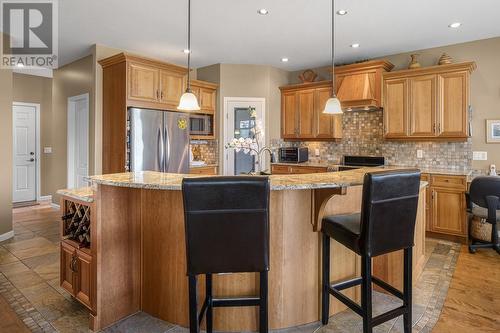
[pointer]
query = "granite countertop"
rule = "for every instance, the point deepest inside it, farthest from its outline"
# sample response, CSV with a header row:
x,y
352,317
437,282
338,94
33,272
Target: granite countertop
x,y
170,181
441,171
84,194
203,166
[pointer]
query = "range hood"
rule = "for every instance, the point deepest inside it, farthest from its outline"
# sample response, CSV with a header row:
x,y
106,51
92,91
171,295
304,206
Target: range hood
x,y
359,86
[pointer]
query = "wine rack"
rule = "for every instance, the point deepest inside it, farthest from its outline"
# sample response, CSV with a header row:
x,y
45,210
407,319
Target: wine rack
x,y
76,223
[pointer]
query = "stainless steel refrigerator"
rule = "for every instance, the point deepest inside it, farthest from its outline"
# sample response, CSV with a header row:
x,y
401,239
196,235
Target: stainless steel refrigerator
x,y
159,141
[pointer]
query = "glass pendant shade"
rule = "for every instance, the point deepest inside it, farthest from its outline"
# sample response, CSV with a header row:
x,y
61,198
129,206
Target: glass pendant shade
x,y
333,106
188,102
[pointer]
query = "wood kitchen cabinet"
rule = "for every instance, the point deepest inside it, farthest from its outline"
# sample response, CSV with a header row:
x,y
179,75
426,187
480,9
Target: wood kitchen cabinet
x,y
430,103
302,115
283,169
144,83
206,93
208,170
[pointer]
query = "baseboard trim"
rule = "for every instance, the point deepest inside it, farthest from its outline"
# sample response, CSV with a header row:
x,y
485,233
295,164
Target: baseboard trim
x,y
45,198
53,205
7,235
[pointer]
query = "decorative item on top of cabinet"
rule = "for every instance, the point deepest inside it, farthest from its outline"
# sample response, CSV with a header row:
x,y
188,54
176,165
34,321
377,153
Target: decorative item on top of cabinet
x,y
301,113
430,103
445,59
413,62
308,76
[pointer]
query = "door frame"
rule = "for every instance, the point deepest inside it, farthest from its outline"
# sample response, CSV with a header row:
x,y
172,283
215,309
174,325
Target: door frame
x,y
71,138
228,100
38,153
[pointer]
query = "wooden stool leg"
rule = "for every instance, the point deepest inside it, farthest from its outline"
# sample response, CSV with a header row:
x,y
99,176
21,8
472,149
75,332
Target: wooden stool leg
x,y
208,293
193,306
407,289
263,314
366,293
325,293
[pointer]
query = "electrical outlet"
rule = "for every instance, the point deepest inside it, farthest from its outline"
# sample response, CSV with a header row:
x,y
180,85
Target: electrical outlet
x,y
420,153
316,152
479,155
47,150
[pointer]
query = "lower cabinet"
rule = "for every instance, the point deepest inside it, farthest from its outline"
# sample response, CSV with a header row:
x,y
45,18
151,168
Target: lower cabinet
x,y
281,169
77,273
205,170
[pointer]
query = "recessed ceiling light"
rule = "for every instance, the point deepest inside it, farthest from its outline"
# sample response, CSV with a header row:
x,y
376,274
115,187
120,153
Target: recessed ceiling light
x,y
341,12
355,45
186,51
263,11
284,59
455,25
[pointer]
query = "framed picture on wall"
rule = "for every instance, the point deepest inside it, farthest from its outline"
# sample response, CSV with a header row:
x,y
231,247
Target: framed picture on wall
x,y
493,130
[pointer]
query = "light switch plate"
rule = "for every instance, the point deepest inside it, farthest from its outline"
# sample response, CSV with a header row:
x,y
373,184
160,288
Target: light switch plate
x,y
479,155
420,153
47,150
316,152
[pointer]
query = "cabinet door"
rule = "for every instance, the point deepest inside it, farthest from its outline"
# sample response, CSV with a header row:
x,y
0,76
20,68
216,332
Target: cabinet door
x,y
85,278
306,169
289,115
324,122
307,117
172,86
207,100
280,169
143,83
67,278
395,108
454,103
448,211
423,103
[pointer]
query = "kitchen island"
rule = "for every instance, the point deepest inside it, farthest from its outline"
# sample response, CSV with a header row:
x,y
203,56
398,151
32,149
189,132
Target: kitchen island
x,y
140,262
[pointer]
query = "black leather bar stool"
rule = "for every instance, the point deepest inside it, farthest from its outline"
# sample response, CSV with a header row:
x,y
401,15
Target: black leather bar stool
x,y
483,201
227,231
386,224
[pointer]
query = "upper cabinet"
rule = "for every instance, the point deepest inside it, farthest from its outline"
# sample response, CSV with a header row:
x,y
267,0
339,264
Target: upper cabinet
x,y
206,93
302,115
430,103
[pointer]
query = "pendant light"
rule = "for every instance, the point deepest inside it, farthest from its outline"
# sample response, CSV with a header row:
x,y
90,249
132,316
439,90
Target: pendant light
x,y
188,101
333,104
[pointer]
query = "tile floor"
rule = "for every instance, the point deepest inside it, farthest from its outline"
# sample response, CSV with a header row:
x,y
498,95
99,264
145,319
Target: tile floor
x,y
29,281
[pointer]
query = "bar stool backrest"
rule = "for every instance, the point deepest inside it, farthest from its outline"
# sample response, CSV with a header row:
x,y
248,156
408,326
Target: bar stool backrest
x,y
484,191
226,224
389,209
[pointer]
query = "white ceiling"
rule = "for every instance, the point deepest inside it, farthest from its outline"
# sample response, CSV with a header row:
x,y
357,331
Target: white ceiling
x,y
231,31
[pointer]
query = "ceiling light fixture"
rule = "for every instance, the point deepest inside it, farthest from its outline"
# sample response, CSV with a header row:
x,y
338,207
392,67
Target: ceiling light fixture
x,y
263,11
342,12
355,45
188,101
455,25
284,59
333,104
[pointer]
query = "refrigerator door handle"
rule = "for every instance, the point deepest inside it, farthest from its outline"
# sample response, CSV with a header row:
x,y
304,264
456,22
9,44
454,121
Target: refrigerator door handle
x,y
166,140
159,150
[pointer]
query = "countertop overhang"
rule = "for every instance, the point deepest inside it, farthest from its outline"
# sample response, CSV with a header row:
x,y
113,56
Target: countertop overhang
x,y
170,181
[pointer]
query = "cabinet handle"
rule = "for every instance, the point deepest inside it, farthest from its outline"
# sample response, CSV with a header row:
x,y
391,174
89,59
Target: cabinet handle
x,y
161,95
432,194
439,128
434,128
157,94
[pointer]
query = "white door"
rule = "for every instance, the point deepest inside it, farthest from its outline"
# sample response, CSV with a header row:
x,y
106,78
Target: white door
x,y
78,140
242,115
24,149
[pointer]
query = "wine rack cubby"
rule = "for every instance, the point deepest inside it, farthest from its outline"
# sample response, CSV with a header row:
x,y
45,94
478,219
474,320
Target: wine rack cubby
x,y
76,223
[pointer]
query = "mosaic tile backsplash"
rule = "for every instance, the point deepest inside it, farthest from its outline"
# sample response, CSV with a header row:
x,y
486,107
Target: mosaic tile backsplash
x,y
208,150
363,135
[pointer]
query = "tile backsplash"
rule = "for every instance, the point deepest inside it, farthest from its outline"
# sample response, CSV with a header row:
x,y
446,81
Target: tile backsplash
x,y
208,150
363,134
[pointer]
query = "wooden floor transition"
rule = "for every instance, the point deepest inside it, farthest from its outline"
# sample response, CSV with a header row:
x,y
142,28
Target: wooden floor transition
x,y
472,304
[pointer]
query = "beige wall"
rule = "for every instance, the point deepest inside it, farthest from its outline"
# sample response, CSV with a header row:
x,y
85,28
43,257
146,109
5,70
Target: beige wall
x,y
38,90
247,81
485,86
70,80
6,151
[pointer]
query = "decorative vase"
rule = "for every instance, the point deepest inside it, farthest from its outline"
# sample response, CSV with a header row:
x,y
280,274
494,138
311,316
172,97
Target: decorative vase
x,y
414,63
308,76
444,59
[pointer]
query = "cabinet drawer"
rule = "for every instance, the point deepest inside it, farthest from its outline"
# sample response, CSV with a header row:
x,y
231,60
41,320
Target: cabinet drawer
x,y
304,170
456,182
203,171
280,169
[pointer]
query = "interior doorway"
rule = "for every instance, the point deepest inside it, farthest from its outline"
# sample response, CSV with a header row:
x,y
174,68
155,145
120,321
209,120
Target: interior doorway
x,y
78,140
26,150
242,116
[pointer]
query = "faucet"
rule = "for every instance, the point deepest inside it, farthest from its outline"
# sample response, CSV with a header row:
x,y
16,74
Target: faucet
x,y
271,154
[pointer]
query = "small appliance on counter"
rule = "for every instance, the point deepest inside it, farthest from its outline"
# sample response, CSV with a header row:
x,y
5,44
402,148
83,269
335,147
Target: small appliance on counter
x,y
350,162
293,154
493,170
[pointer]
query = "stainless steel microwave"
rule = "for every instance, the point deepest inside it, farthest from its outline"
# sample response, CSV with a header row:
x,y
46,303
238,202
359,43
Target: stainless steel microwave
x,y
201,124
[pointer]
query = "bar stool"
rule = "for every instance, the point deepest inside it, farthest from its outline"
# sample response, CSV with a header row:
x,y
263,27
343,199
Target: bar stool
x,y
386,224
227,231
